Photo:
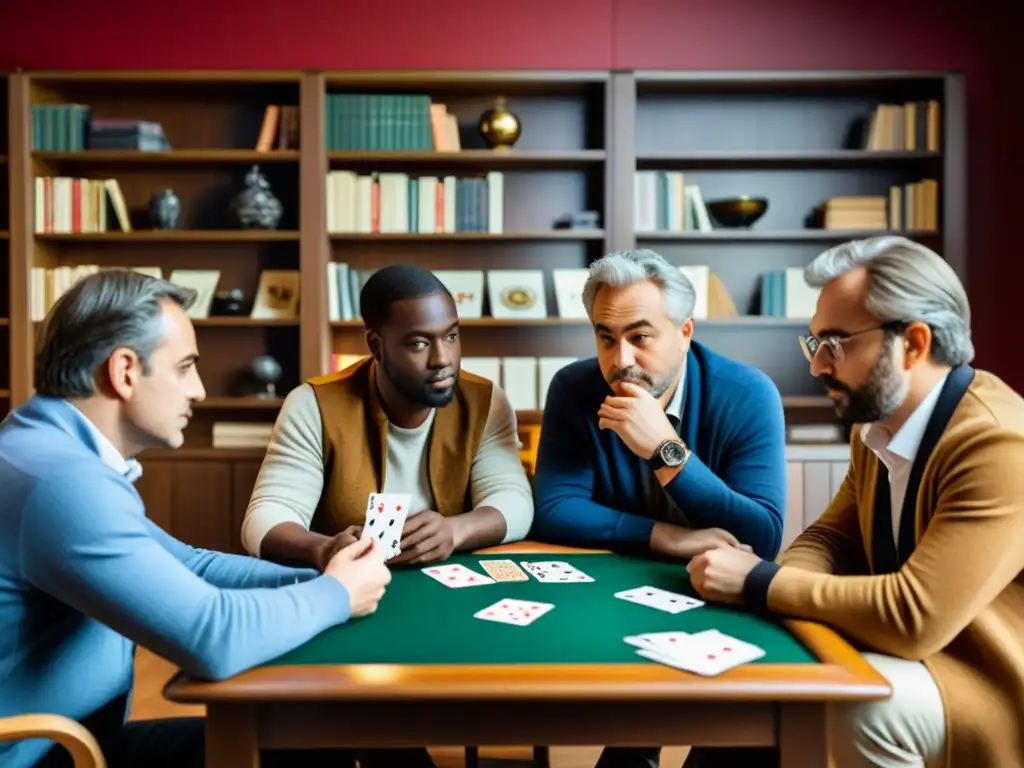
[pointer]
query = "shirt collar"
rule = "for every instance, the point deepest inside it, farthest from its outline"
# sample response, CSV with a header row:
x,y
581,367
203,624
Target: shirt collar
x,y
674,408
907,440
130,469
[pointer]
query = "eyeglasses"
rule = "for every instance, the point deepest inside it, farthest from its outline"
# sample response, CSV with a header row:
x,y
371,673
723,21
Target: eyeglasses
x,y
833,343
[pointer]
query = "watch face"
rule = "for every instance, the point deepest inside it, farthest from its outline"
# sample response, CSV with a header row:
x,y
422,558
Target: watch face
x,y
673,454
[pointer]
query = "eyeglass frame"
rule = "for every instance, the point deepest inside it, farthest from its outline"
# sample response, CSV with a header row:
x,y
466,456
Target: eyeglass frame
x,y
810,344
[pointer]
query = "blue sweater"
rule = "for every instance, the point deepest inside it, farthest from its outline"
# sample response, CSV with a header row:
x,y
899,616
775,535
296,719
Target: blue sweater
x,y
588,487
84,576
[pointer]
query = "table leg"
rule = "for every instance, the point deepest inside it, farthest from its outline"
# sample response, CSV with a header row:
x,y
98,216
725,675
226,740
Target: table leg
x,y
803,735
232,737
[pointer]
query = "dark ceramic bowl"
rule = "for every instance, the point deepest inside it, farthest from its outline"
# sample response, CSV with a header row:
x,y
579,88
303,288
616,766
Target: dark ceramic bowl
x,y
735,212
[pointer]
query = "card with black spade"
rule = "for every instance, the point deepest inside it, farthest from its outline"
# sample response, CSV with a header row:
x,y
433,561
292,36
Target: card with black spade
x,y
555,571
385,518
661,599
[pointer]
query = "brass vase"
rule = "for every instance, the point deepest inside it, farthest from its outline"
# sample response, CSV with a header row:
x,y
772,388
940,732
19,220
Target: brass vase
x,y
499,126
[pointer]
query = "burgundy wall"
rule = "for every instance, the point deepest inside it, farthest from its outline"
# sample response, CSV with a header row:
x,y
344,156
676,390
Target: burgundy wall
x,y
971,37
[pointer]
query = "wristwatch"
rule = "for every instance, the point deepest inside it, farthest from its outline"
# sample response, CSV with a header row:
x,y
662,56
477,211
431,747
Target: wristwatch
x,y
671,453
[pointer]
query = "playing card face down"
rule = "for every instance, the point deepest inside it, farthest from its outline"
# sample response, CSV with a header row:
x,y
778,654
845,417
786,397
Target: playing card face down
x,y
504,570
517,612
660,599
385,518
555,571
457,576
707,653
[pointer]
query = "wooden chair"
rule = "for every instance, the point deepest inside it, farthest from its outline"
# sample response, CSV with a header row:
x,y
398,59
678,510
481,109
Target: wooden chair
x,y
84,750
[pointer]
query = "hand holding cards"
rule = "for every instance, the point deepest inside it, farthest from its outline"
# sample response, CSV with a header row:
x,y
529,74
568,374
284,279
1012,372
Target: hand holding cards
x,y
385,517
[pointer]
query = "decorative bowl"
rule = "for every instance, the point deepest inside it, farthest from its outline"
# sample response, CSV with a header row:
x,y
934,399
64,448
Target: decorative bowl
x,y
737,212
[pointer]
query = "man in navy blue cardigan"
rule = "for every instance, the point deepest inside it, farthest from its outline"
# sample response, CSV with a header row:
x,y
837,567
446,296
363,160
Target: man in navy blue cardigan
x,y
659,445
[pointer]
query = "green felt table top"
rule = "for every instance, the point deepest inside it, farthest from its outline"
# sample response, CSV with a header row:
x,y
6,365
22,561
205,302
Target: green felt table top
x,y
421,621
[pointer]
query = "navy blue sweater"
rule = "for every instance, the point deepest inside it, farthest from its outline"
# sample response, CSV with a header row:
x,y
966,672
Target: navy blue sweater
x,y
588,487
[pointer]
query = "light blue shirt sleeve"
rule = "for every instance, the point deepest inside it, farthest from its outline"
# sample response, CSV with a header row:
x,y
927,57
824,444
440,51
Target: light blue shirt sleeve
x,y
229,571
85,540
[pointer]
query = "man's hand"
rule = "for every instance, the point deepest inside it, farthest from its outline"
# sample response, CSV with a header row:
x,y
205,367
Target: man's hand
x,y
685,543
637,418
329,547
362,572
428,537
720,574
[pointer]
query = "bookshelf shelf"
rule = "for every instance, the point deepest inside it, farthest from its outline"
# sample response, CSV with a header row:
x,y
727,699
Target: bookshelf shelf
x,y
758,235
840,158
170,157
171,236
244,322
472,159
539,235
239,403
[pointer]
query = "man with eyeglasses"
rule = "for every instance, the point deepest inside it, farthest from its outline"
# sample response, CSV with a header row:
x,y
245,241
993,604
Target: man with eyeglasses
x,y
918,559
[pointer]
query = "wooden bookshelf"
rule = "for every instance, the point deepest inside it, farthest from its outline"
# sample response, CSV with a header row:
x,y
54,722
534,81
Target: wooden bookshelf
x,y
795,139
5,258
785,136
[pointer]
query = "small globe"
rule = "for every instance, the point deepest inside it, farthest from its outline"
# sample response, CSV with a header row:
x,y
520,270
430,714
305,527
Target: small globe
x,y
266,369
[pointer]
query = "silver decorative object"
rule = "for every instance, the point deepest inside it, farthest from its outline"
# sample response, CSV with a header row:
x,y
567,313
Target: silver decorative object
x,y
267,371
256,206
165,210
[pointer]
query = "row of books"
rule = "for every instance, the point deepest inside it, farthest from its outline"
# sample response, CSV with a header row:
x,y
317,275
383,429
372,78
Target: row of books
x,y
378,122
911,126
66,205
663,202
401,203
71,128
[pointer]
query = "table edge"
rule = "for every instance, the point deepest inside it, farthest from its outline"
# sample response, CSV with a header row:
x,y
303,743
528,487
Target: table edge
x,y
842,674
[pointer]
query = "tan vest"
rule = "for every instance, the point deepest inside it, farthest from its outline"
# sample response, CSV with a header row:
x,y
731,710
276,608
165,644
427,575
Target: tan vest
x,y
355,444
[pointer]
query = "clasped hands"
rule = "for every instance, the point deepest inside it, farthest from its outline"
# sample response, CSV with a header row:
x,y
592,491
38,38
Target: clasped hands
x,y
427,537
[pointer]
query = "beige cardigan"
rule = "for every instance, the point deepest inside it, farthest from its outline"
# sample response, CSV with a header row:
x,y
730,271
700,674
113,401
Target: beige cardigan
x,y
958,601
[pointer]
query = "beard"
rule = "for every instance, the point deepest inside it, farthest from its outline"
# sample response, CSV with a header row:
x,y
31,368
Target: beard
x,y
418,389
655,386
878,397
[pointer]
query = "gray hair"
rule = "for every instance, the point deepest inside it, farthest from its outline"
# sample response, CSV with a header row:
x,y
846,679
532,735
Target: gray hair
x,y
624,268
907,282
101,312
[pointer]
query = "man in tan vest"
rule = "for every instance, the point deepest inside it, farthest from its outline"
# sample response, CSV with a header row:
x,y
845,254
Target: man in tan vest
x,y
404,420
918,558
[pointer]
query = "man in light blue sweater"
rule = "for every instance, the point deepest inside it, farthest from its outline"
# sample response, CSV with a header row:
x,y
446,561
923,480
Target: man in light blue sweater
x,y
84,575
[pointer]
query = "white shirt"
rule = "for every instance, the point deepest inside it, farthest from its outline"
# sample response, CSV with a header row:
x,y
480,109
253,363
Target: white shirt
x,y
898,452
131,469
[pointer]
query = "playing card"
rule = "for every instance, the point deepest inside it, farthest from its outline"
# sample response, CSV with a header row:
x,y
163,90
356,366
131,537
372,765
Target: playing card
x,y
385,518
456,576
555,571
707,653
517,612
503,570
661,599
665,642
